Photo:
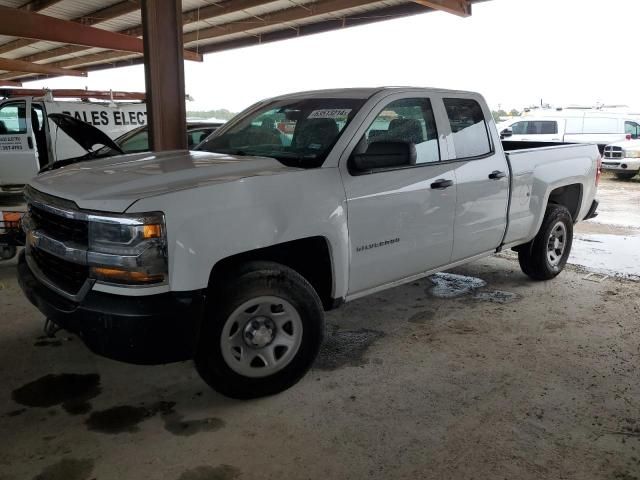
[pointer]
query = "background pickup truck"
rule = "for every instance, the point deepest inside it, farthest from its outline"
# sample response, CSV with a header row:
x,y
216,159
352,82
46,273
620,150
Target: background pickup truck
x,y
230,254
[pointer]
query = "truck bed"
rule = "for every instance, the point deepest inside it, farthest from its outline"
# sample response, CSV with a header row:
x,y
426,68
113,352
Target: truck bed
x,y
538,168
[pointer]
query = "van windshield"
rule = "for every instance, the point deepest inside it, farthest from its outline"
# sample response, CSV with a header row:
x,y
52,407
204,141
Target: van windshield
x,y
298,133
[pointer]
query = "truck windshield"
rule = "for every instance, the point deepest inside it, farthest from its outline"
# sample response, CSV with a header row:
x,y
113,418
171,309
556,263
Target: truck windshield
x,y
298,133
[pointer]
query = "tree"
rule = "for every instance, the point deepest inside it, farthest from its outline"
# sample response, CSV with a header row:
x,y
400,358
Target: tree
x,y
498,114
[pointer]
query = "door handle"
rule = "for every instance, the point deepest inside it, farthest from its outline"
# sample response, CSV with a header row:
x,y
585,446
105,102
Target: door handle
x,y
497,175
30,142
441,184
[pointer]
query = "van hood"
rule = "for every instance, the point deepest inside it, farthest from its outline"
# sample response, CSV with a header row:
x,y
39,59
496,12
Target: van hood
x,y
112,184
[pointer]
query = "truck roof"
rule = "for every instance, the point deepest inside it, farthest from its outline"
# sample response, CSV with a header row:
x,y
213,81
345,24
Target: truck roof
x,y
362,92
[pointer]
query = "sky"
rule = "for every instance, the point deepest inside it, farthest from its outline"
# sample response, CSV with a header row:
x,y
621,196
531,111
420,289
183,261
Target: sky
x,y
514,52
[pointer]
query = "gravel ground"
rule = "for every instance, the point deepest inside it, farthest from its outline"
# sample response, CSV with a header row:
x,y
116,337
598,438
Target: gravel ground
x,y
475,374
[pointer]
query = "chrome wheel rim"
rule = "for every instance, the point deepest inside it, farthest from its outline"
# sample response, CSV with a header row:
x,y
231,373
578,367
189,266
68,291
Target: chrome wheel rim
x,y
261,336
557,244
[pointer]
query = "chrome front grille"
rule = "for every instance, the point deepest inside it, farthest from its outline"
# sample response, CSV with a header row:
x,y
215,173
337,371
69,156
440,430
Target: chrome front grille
x,y
611,152
58,227
57,238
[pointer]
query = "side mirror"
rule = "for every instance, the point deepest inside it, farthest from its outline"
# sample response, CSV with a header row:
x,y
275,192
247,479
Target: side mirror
x,y
506,133
385,155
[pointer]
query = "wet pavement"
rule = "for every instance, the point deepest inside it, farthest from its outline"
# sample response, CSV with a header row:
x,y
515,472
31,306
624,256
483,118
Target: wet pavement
x,y
474,373
610,243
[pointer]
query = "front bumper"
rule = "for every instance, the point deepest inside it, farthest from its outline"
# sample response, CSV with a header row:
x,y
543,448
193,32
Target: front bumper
x,y
621,164
146,330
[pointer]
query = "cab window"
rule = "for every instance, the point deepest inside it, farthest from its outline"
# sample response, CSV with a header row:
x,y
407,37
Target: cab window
x,y
633,129
535,127
409,120
13,119
468,126
139,142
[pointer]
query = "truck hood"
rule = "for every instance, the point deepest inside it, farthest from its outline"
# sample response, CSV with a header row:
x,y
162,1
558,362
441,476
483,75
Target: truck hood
x,y
627,144
84,134
113,184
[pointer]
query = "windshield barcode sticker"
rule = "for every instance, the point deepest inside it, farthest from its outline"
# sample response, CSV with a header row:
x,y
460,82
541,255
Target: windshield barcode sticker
x,y
330,113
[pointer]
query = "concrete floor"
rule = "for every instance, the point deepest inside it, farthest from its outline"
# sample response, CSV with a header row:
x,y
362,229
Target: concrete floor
x,y
443,378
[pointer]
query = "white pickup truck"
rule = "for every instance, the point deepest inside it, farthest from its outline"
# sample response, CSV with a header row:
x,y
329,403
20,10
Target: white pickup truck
x,y
231,253
622,159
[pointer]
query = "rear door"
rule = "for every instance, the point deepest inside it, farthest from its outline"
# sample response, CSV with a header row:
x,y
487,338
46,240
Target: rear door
x,y
400,219
482,178
18,159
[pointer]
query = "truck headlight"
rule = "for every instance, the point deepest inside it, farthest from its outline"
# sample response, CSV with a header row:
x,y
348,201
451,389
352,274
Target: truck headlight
x,y
631,154
128,249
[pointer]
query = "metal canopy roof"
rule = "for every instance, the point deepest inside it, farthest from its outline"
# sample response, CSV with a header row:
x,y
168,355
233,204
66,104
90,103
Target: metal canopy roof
x,y
208,26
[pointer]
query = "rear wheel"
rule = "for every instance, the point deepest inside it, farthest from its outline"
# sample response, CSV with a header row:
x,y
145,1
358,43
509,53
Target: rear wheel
x,y
262,332
625,175
546,255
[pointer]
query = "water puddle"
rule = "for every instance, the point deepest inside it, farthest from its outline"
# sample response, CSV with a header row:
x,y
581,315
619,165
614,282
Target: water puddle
x,y
613,255
496,296
346,348
67,469
450,285
72,391
206,472
125,418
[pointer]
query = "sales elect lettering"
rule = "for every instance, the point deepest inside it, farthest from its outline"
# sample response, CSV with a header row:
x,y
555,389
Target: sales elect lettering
x,y
97,118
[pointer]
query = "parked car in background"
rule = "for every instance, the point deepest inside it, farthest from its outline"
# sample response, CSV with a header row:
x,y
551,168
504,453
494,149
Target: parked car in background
x,y
29,141
230,254
135,141
622,159
572,126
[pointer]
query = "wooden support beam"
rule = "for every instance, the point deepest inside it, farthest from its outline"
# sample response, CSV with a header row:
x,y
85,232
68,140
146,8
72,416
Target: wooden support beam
x,y
462,8
102,15
164,74
20,66
9,83
17,23
197,14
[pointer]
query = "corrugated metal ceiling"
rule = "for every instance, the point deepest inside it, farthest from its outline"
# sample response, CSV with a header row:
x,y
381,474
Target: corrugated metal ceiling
x,y
236,28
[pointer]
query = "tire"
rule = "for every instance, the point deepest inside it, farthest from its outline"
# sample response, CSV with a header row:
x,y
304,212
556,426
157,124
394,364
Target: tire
x,y
625,175
262,332
536,258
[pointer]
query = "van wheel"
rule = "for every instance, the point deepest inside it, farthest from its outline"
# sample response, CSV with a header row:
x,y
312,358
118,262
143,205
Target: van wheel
x,y
546,255
625,175
262,332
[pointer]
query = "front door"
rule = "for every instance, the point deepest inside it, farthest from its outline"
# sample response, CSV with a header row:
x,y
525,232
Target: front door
x,y
18,160
400,219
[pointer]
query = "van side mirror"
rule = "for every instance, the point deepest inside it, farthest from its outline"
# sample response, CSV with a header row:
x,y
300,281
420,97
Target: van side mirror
x,y
385,155
506,133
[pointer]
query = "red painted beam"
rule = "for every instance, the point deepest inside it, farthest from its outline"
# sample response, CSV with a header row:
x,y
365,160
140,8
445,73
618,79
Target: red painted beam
x,y
9,83
20,66
18,23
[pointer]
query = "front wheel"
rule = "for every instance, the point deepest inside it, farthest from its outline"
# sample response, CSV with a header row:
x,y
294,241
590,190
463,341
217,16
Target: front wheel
x,y
546,255
262,332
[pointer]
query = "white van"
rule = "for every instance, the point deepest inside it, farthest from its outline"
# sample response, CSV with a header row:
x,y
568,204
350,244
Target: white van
x,y
29,140
573,126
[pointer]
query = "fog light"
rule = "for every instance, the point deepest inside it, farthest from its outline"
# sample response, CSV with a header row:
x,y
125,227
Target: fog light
x,y
624,165
116,275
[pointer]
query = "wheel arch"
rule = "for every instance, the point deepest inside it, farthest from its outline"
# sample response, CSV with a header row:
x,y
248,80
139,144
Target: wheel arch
x,y
569,196
311,257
